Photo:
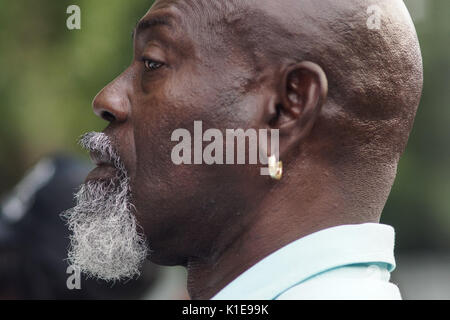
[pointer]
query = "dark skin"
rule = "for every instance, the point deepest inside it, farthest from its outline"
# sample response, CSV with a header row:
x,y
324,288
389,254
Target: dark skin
x,y
220,220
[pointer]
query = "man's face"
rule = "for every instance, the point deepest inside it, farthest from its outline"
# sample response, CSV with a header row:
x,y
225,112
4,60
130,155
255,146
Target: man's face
x,y
180,74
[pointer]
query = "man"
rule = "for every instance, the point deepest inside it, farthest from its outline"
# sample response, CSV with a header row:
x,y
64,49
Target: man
x,y
342,93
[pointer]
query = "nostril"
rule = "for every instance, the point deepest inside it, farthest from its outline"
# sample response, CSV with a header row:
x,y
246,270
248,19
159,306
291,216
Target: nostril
x,y
108,116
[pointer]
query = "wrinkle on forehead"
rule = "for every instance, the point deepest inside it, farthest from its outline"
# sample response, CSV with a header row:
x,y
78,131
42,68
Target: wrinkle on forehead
x,y
204,10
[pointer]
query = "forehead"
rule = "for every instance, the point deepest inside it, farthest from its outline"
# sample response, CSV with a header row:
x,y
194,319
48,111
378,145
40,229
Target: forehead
x,y
184,10
197,12
172,14
203,23
198,5
216,32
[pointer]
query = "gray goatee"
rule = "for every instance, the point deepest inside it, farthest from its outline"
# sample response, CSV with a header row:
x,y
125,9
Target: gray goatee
x,y
105,240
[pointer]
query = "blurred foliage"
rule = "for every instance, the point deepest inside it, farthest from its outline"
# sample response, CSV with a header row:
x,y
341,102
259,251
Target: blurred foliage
x,y
419,204
49,76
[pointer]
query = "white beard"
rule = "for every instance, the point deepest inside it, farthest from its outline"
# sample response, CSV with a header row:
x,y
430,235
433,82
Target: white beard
x,y
105,242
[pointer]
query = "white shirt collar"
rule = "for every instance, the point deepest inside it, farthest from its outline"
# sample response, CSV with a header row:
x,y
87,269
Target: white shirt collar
x,y
318,252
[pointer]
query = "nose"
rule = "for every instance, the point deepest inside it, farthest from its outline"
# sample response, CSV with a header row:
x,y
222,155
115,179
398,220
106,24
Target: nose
x,y
112,102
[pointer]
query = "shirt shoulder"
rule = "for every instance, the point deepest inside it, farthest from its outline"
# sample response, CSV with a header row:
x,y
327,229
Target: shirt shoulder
x,y
341,262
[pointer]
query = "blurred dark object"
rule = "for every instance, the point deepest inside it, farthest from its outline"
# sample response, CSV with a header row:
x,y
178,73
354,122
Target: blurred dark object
x,y
34,239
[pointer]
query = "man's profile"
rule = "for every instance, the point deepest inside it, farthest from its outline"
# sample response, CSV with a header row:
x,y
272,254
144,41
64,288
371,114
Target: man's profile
x,y
343,98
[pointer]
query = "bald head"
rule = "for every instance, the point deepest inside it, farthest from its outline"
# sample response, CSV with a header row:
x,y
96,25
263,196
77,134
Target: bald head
x,y
374,78
375,75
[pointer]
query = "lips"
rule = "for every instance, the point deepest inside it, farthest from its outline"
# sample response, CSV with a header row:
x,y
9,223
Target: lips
x,y
105,168
102,173
100,159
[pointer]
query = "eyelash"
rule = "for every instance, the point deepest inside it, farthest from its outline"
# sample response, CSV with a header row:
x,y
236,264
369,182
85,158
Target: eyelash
x,y
152,65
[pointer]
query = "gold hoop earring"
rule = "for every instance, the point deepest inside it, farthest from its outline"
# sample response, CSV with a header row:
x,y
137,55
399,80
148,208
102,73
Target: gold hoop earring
x,y
275,168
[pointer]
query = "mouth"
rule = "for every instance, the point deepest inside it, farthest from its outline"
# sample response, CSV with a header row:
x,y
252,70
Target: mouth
x,y
104,169
102,172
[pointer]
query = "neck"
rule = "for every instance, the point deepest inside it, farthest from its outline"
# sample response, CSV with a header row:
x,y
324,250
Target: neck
x,y
286,221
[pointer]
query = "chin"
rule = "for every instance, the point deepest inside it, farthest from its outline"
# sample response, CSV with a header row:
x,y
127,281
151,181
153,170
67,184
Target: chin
x,y
165,259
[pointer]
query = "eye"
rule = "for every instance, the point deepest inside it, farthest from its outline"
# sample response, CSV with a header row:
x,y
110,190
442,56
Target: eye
x,y
152,65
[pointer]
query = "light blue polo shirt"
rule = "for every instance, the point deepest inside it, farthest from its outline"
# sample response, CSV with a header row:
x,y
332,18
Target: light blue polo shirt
x,y
343,262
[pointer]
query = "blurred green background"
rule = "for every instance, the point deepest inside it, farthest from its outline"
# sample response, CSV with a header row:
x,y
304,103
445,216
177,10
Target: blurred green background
x,y
49,76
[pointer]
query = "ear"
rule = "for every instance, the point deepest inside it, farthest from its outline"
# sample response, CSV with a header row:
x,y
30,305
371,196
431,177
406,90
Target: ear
x,y
301,94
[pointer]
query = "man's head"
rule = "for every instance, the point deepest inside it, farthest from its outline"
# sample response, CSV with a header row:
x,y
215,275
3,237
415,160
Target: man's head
x,y
342,95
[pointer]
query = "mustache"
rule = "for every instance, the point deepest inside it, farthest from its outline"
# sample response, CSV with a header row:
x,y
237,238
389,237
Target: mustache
x,y
101,144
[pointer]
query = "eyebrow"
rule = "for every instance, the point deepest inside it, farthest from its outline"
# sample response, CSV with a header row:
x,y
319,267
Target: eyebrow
x,y
162,20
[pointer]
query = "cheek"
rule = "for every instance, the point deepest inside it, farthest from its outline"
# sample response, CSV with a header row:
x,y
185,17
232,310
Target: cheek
x,y
156,179
172,105
152,156
155,117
